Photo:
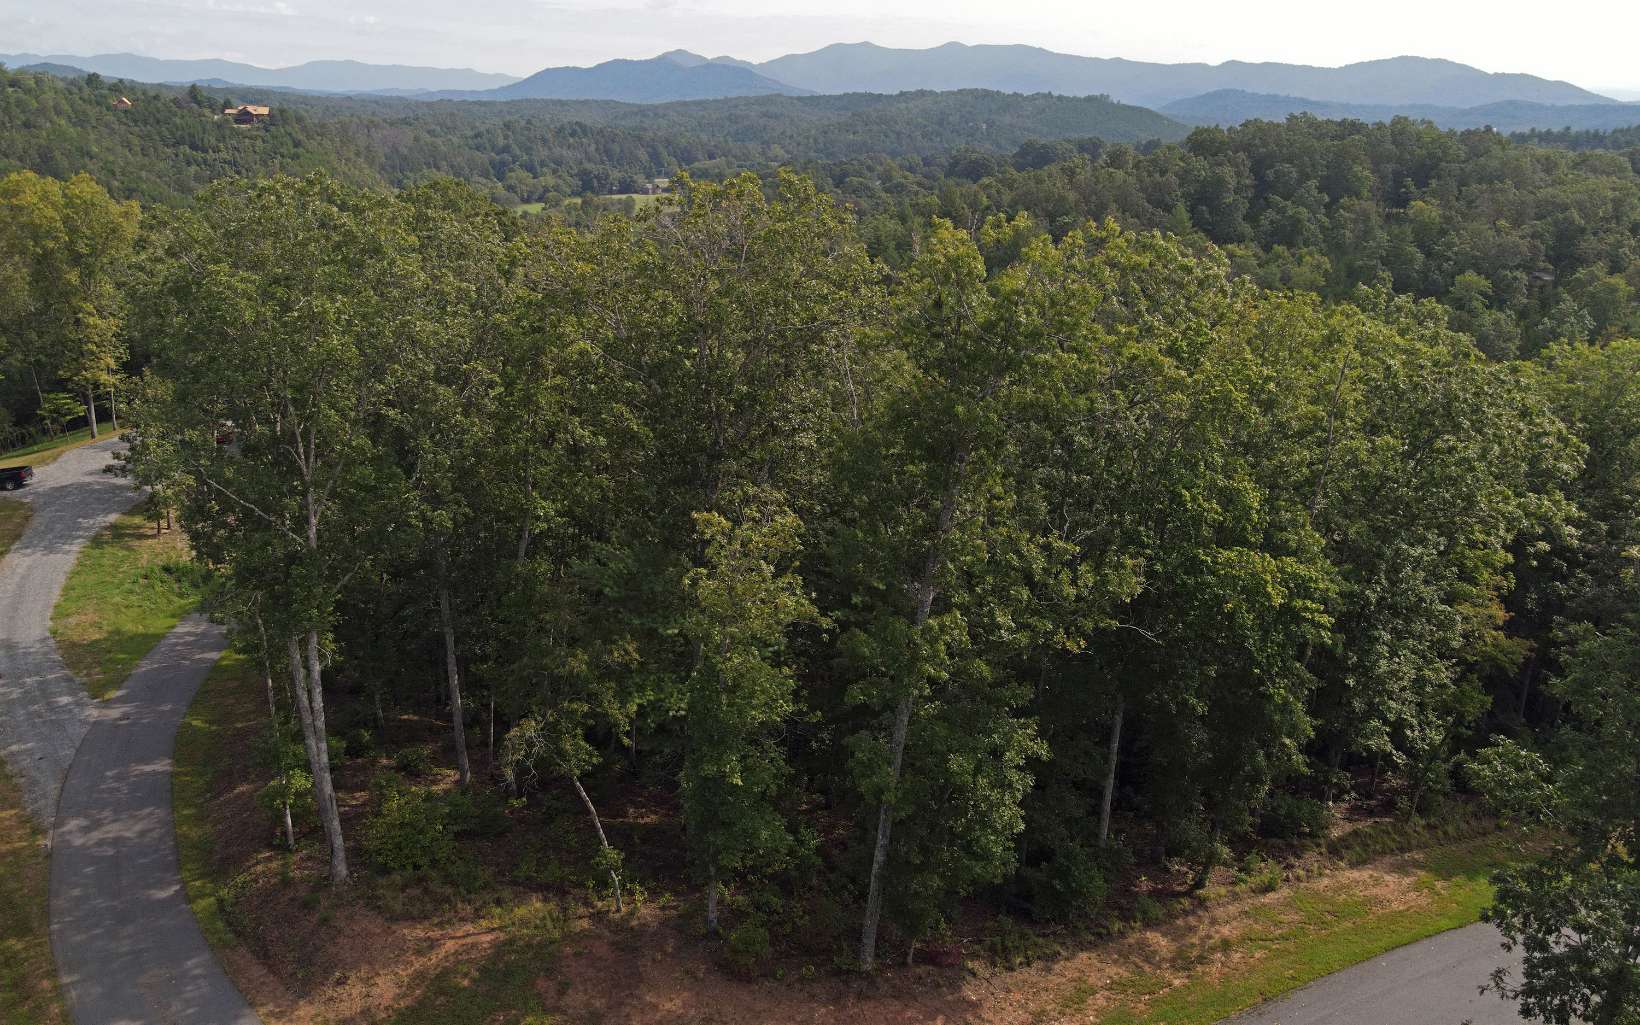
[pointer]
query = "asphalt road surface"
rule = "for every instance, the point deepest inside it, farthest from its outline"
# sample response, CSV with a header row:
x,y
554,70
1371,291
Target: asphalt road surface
x,y
127,946
43,709
1433,982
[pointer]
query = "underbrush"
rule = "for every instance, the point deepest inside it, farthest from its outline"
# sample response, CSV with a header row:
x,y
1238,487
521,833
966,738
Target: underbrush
x,y
484,890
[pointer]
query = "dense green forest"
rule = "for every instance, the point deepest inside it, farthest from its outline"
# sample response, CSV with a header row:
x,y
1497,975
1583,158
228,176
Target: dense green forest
x,y
911,531
171,143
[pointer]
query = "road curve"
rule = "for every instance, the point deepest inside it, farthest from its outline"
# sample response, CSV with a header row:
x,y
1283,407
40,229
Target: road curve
x,y
44,711
1432,982
128,948
99,773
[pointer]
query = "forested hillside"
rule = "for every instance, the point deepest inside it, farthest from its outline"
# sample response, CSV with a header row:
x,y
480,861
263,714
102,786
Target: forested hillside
x,y
976,533
1043,554
170,143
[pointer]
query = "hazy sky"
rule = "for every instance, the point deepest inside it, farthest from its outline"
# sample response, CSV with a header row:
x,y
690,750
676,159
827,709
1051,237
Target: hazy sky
x,y
1590,42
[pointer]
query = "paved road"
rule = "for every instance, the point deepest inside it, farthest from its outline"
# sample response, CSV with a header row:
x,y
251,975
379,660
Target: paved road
x,y
1432,982
127,946
43,709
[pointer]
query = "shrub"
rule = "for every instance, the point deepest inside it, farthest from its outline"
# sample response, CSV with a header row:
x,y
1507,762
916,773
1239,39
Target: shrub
x,y
1069,886
414,761
409,831
1149,910
480,813
1289,817
293,787
748,945
361,742
1014,946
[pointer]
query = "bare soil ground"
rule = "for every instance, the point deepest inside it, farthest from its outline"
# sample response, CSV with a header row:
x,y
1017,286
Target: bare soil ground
x,y
388,951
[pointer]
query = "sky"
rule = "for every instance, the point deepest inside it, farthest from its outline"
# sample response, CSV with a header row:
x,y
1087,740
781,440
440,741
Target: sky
x,y
1589,42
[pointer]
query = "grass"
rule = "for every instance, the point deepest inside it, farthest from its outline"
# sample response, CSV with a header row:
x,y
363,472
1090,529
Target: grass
x,y
500,988
42,452
1312,932
129,588
28,976
226,700
14,517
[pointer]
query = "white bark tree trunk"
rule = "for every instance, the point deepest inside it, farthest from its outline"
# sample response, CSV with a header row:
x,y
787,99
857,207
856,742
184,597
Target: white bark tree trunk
x,y
91,410
458,725
926,589
309,690
1110,770
598,826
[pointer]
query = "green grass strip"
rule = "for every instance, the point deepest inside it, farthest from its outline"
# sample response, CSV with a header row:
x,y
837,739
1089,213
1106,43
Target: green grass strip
x,y
1324,933
128,590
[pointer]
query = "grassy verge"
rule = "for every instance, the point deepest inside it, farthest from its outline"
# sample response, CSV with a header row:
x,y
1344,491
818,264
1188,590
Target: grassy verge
x,y
1313,930
28,976
14,517
226,701
128,589
42,452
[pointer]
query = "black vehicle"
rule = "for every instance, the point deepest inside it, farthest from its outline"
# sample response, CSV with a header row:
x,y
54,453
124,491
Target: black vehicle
x,y
14,477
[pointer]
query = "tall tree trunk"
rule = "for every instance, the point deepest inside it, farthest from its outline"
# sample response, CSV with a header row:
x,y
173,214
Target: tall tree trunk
x,y
598,826
926,589
91,409
309,690
458,725
1110,770
113,411
712,905
290,829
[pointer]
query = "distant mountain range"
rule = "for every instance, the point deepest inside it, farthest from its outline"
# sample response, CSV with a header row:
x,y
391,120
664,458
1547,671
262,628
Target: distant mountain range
x,y
866,67
678,75
1233,106
1450,94
327,76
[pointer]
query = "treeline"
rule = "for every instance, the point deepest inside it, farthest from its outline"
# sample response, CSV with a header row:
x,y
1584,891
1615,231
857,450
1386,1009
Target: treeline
x,y
1624,139
1051,548
1522,244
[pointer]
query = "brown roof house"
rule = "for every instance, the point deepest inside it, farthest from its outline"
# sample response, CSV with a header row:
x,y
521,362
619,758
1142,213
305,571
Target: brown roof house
x,y
246,114
123,104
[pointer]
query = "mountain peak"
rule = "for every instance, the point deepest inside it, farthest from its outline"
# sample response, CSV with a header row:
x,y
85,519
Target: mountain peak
x,y
683,58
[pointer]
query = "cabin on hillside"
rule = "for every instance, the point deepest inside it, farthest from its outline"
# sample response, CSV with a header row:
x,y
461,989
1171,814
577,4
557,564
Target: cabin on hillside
x,y
656,186
246,114
123,104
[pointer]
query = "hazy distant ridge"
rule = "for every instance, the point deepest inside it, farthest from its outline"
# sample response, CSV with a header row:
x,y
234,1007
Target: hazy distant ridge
x,y
1397,85
847,67
1233,106
339,76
